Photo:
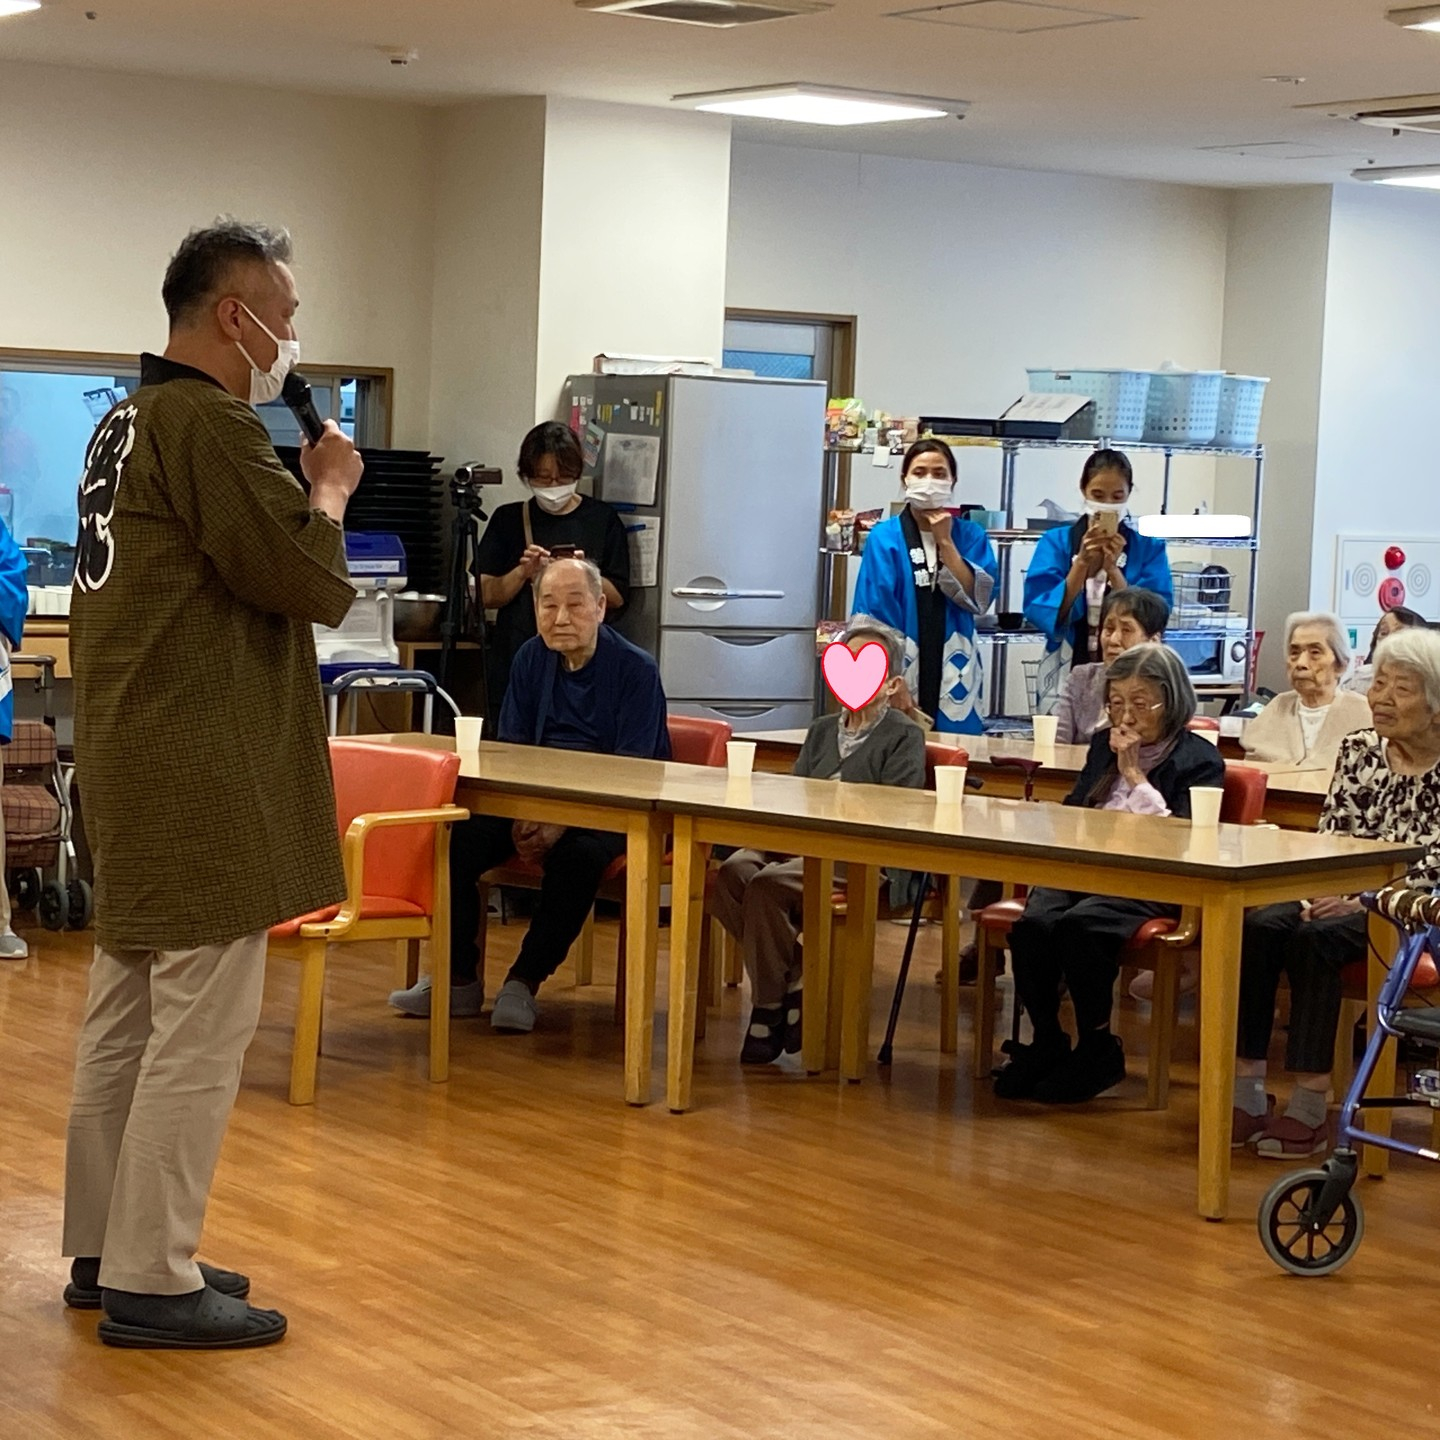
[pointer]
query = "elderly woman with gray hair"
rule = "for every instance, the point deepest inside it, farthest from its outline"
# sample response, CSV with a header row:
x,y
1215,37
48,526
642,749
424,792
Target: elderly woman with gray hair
x,y
1305,724
758,898
1144,763
1386,787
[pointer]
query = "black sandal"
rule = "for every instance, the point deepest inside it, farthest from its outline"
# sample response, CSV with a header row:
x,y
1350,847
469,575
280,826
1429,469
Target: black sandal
x,y
227,1282
219,1322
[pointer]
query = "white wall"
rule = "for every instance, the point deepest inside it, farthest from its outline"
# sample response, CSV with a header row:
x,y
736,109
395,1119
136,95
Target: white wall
x,y
490,158
1378,472
633,250
102,175
960,276
1275,286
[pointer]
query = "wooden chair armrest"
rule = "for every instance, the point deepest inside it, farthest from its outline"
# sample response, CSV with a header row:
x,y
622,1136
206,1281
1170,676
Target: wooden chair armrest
x,y
1186,930
354,858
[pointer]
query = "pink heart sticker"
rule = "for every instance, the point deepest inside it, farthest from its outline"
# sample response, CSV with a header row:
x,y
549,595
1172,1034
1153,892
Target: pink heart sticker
x,y
854,680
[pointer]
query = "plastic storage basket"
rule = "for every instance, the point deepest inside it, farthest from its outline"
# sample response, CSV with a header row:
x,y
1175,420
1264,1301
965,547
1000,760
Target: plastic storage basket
x,y
1183,407
1241,397
1119,397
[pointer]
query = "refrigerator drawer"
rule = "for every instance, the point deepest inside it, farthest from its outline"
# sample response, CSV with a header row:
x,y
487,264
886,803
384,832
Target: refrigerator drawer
x,y
743,717
738,664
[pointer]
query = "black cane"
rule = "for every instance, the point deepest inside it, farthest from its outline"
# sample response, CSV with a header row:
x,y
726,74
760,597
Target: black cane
x,y
887,1048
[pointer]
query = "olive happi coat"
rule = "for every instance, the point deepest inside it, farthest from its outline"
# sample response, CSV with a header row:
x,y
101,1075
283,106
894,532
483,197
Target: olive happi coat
x,y
199,731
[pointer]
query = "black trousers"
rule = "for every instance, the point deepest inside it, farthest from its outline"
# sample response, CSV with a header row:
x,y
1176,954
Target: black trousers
x,y
1312,954
572,872
1066,936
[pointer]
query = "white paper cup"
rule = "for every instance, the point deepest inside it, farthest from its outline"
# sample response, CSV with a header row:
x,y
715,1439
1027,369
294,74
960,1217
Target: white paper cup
x,y
950,784
740,757
1205,806
1232,726
467,733
1046,728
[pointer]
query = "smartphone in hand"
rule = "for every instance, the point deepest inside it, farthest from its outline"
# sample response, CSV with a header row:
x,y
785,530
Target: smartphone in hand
x,y
563,552
1107,521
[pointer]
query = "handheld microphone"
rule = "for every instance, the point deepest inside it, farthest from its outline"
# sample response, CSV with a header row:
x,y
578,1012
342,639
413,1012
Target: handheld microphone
x,y
296,394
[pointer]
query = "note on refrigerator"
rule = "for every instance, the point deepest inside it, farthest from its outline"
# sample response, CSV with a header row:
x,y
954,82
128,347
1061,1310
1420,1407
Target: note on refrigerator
x,y
631,468
644,537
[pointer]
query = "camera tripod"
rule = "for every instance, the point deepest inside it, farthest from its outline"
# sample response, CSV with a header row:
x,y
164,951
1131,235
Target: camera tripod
x,y
463,617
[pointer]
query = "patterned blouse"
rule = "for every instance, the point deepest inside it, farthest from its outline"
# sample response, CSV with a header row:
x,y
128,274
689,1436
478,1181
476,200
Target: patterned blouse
x,y
1370,801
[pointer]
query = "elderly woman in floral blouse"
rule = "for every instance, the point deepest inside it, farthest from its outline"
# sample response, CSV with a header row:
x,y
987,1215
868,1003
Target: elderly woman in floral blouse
x,y
1386,787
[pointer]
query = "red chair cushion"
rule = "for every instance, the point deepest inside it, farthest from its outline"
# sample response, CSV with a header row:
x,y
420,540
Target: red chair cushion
x,y
1151,931
1000,916
696,741
1354,977
372,907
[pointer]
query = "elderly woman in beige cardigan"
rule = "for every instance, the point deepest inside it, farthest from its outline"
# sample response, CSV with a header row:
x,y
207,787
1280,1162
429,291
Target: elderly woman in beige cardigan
x,y
1306,724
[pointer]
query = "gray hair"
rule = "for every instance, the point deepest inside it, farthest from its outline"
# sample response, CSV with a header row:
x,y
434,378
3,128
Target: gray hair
x,y
589,567
1162,667
201,268
1417,650
1335,636
883,634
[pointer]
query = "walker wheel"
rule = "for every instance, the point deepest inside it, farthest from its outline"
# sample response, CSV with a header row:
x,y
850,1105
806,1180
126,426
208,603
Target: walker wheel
x,y
24,887
80,905
54,907
1292,1241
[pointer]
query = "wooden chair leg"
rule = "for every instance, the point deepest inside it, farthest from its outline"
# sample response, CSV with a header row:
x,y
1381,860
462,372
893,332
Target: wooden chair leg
x,y
407,963
1163,1002
836,1005
705,997
583,951
304,1054
734,966
620,976
987,959
949,964
482,932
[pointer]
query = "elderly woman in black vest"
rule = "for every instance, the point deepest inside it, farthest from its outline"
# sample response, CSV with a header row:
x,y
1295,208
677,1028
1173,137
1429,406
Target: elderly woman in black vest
x,y
1144,763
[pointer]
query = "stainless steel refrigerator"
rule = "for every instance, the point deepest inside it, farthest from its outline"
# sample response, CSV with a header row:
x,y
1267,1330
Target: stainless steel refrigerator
x,y
730,471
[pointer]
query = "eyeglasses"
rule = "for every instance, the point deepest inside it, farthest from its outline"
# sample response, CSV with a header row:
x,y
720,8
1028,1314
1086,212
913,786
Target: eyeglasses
x,y
1117,708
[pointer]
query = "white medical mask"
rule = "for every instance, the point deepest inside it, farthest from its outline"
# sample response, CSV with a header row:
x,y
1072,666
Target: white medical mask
x,y
265,385
929,494
1096,507
554,498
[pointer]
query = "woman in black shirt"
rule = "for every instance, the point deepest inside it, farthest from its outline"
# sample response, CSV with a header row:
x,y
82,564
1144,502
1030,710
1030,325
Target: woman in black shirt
x,y
521,537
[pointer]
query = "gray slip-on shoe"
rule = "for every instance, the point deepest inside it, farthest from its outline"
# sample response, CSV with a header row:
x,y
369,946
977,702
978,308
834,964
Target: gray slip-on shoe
x,y
466,1001
81,1296
12,946
515,1009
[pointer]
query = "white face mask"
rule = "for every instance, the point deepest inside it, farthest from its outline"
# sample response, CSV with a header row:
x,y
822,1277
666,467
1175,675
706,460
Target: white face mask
x,y
554,498
1095,507
929,494
265,385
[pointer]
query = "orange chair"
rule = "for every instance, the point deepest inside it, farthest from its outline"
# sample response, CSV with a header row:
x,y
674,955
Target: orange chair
x,y
1157,945
393,809
1206,723
693,741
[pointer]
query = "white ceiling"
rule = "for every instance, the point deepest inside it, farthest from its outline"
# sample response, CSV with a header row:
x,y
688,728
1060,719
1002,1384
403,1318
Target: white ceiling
x,y
1148,97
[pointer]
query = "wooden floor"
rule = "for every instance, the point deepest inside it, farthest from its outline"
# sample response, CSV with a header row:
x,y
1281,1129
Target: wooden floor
x,y
519,1254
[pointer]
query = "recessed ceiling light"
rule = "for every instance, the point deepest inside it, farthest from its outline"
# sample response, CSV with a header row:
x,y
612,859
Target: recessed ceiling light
x,y
821,104
1411,177
1418,17
17,7
1284,79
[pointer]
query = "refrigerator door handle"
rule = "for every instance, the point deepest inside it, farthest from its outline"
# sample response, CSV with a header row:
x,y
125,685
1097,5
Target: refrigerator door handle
x,y
706,592
743,638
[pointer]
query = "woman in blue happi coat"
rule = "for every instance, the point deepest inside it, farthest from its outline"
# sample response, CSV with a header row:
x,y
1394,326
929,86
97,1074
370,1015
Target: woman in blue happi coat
x,y
14,601
1076,566
928,575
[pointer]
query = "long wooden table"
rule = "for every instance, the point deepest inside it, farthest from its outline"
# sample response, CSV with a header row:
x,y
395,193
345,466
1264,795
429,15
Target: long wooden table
x,y
1293,797
599,792
1224,872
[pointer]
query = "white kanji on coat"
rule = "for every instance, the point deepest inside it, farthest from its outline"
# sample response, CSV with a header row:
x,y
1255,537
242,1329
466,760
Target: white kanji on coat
x,y
110,448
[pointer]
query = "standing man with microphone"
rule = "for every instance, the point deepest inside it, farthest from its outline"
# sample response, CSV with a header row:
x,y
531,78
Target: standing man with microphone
x,y
200,749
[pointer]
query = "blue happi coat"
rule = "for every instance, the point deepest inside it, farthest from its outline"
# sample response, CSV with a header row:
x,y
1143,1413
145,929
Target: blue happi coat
x,y
885,590
14,601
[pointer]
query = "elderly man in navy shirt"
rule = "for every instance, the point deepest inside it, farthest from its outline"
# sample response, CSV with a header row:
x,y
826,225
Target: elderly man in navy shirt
x,y
577,685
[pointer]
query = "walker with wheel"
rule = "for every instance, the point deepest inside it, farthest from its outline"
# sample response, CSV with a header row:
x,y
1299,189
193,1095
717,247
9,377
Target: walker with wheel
x,y
1311,1222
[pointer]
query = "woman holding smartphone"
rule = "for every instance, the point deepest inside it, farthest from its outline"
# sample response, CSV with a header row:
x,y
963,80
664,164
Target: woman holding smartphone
x,y
1076,566
556,522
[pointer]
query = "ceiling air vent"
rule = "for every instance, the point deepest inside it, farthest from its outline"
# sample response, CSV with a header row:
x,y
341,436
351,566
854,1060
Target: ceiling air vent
x,y
716,14
1418,113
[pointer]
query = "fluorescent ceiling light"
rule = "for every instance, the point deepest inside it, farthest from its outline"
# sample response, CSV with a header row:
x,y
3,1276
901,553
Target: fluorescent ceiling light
x,y
821,104
1412,177
1419,17
17,7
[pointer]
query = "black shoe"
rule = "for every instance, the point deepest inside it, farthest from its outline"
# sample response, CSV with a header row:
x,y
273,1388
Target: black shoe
x,y
794,1022
1030,1066
1097,1065
765,1039
970,965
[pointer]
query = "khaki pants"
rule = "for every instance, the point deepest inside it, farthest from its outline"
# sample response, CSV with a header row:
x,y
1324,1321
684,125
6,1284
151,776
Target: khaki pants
x,y
759,900
156,1071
